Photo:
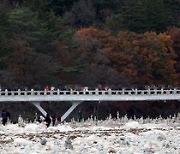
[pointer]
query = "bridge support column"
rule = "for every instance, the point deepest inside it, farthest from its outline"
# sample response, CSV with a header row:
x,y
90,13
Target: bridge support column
x,y
68,112
38,106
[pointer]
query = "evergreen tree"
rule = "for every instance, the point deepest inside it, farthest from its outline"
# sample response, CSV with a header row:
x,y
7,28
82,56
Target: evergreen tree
x,y
156,16
132,16
41,31
59,7
82,14
4,31
172,12
144,15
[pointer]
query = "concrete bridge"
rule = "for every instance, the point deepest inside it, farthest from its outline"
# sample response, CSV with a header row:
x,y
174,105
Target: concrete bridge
x,y
79,96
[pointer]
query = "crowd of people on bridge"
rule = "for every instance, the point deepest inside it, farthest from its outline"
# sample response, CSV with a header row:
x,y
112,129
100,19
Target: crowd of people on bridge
x,y
86,88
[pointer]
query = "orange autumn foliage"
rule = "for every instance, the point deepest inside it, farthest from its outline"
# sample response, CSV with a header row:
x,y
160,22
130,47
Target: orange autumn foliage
x,y
144,58
174,32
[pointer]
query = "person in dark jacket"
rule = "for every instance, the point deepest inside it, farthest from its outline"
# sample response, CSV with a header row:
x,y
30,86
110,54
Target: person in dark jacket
x,y
5,115
47,120
80,116
54,119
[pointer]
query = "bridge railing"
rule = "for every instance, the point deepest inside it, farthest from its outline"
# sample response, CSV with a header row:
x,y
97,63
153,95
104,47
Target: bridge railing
x,y
33,92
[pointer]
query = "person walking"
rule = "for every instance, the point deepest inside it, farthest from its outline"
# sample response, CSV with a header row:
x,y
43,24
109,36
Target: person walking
x,y
59,118
46,88
54,119
80,116
20,121
47,120
5,115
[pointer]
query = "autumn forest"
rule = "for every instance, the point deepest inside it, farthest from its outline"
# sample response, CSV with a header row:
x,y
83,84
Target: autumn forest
x,y
92,42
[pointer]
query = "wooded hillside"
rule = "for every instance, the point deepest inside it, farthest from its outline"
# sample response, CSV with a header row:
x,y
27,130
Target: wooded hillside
x,y
89,43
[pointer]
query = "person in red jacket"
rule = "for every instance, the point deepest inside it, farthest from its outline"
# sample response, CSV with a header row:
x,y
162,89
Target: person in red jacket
x,y
59,118
46,88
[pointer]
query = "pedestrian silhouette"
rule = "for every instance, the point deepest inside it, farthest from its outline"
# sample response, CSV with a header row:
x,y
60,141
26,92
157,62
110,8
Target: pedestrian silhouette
x,y
47,120
80,116
53,119
5,116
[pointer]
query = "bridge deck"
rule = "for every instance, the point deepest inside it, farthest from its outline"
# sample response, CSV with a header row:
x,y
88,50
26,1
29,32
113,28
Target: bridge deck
x,y
77,97
90,95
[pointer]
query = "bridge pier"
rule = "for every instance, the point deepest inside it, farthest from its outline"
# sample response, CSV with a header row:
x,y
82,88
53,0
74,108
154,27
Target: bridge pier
x,y
68,112
38,106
